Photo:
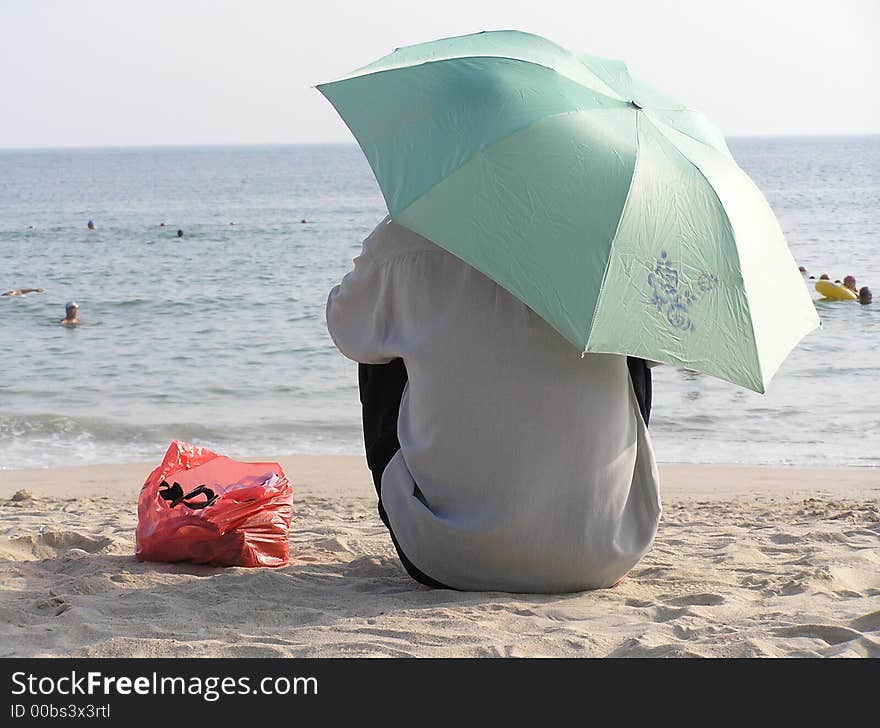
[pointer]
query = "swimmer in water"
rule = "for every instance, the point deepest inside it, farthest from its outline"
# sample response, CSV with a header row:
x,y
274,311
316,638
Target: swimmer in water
x,y
802,269
71,310
824,277
180,233
850,283
303,221
22,291
161,224
91,225
865,296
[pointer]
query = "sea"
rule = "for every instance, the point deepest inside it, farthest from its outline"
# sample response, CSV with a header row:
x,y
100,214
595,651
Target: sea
x,y
218,337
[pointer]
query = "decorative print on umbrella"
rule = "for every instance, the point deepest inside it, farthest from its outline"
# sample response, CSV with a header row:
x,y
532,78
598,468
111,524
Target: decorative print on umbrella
x,y
672,296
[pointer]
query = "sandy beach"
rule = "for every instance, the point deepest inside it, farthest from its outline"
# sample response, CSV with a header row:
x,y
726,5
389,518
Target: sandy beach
x,y
748,562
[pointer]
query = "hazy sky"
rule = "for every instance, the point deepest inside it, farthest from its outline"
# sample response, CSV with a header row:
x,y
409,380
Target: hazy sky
x,y
126,72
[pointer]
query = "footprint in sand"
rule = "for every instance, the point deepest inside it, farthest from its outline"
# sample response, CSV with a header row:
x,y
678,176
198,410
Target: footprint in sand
x,y
786,538
868,623
76,555
667,614
638,603
793,587
48,543
697,600
58,604
335,544
372,567
74,540
826,632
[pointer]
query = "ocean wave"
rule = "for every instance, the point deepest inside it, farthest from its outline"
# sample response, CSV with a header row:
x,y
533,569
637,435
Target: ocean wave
x,y
39,440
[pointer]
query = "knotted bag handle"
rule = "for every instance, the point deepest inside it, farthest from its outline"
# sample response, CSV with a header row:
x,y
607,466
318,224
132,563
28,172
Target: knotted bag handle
x,y
174,494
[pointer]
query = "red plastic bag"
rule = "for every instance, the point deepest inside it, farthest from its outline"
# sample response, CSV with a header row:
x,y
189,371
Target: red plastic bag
x,y
209,509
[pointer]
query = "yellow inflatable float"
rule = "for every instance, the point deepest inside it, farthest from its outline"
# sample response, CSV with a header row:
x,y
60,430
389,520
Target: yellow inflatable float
x,y
835,291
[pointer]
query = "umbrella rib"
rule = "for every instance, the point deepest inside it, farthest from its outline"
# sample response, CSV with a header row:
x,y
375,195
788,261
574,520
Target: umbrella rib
x,y
483,149
609,93
613,238
658,122
658,127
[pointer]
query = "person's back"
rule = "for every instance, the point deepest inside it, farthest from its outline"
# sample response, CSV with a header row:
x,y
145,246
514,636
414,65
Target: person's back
x,y
523,466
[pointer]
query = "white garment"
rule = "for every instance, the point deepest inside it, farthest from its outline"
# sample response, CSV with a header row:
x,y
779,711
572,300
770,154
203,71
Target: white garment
x,y
522,466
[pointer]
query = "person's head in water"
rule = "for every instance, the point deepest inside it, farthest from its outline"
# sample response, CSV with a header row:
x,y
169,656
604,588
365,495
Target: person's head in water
x,y
850,282
71,313
824,277
865,296
180,233
91,225
802,269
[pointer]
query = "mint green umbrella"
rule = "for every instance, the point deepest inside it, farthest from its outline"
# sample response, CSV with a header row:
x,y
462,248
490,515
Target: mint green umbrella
x,y
613,211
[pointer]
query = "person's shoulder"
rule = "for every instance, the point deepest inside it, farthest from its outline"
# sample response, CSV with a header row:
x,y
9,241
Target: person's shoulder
x,y
391,241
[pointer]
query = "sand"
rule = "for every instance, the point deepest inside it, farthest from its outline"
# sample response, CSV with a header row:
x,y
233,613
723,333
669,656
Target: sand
x,y
747,562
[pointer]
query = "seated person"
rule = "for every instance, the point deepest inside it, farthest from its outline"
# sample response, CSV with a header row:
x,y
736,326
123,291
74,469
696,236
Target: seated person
x,y
517,465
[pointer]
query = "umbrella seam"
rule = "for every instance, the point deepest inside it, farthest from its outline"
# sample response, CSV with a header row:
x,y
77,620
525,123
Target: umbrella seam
x,y
360,146
714,192
589,331
655,122
483,56
481,150
478,151
619,97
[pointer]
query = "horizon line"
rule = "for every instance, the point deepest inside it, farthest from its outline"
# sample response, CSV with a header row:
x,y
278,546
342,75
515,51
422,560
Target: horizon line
x,y
215,145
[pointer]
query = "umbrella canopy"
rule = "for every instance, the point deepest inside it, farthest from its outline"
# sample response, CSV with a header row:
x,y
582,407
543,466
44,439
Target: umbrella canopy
x,y
613,211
